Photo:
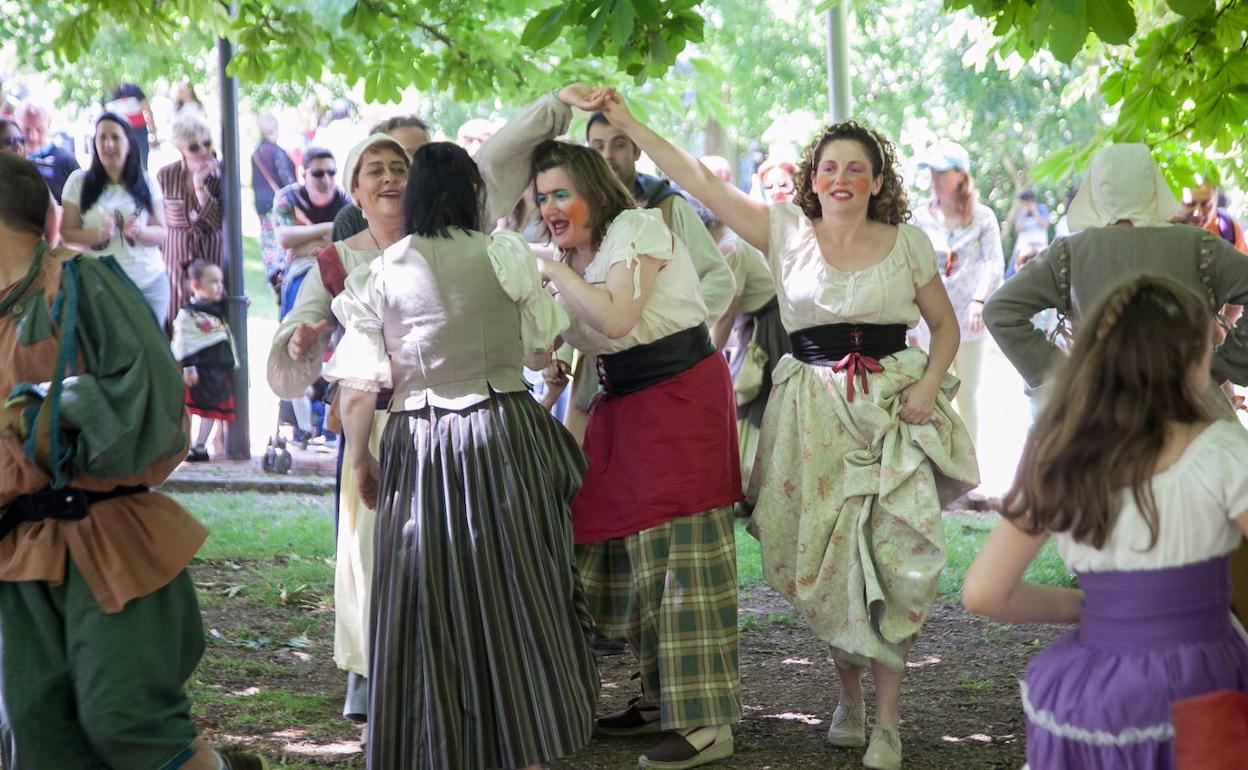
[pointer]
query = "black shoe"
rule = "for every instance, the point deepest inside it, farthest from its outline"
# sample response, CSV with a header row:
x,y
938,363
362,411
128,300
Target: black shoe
x,y
198,454
640,718
604,646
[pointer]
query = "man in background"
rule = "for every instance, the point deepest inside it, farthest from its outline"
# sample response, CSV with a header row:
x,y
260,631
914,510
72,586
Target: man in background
x,y
54,162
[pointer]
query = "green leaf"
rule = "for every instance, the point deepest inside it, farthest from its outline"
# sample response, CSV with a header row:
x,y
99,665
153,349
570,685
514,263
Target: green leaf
x,y
1189,7
1068,35
593,33
543,29
622,28
648,11
1112,20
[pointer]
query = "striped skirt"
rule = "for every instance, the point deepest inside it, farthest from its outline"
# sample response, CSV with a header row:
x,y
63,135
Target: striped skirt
x,y
480,630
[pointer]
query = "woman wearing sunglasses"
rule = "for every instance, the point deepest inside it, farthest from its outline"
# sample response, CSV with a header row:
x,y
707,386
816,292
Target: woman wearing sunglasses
x,y
192,188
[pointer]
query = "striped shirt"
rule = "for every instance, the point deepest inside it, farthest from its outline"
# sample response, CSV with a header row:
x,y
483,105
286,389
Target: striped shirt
x,y
191,232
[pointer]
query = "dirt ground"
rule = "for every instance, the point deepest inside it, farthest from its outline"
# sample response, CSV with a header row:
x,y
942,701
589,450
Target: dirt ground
x,y
268,682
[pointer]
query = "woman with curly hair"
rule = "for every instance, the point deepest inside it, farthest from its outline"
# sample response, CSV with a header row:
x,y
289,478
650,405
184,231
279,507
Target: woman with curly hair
x,y
860,445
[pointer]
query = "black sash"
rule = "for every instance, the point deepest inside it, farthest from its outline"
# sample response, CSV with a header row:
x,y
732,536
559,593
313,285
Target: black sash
x,y
829,344
68,503
637,368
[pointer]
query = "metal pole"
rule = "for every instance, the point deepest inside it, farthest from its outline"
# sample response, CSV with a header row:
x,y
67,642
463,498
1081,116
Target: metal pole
x,y
238,438
838,62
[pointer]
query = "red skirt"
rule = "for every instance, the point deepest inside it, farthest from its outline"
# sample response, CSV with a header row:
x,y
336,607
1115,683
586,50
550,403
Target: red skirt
x,y
664,452
223,411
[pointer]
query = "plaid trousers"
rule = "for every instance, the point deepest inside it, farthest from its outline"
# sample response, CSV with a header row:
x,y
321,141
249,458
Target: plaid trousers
x,y
671,592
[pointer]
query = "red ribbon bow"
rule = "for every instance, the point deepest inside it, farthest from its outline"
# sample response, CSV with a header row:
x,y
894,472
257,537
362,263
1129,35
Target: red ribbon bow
x,y
857,365
951,262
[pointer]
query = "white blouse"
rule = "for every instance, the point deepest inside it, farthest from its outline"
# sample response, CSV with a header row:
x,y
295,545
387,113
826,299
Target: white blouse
x,y
141,262
674,305
1198,499
977,267
814,293
360,358
755,286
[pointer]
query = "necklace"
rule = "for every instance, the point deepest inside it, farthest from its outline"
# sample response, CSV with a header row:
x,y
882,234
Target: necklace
x,y
370,235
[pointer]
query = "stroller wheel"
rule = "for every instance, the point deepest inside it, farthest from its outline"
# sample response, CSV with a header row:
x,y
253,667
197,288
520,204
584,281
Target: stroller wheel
x,y
282,463
270,458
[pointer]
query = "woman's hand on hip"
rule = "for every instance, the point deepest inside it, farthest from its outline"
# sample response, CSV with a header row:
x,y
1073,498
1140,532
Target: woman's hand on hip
x,y
918,401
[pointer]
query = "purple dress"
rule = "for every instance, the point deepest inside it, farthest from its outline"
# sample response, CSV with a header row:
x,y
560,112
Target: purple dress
x,y
1099,697
1156,625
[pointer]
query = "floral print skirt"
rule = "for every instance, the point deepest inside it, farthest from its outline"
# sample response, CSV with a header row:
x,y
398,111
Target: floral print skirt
x,y
847,502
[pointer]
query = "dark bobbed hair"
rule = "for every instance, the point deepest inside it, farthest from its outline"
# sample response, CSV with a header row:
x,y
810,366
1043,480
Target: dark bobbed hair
x,y
444,190
889,205
595,182
197,269
23,195
314,154
1106,419
132,176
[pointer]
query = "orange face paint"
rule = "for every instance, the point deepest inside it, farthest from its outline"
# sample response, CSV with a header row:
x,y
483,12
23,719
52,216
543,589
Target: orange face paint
x,y
823,185
578,213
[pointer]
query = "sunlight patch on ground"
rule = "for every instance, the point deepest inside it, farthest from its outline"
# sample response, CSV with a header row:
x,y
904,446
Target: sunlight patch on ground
x,y
245,693
797,662
929,660
790,716
323,749
976,738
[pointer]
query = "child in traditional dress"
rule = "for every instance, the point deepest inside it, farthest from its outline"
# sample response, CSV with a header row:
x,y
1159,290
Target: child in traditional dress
x,y
1145,495
202,343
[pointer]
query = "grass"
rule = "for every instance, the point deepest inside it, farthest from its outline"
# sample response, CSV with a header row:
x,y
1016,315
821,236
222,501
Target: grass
x,y
749,558
278,548
249,525
255,284
288,541
965,536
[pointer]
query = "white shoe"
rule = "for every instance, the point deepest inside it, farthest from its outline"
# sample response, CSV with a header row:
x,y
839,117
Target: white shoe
x,y
849,724
884,753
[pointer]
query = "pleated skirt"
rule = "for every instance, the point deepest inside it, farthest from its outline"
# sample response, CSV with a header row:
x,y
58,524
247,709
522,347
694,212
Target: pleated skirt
x,y
481,652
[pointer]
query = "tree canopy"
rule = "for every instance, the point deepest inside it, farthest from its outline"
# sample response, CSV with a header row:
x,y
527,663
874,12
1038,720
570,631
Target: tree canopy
x,y
1174,71
1032,77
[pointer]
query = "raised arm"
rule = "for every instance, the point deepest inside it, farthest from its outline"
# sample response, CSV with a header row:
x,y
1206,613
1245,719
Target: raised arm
x,y
504,159
741,213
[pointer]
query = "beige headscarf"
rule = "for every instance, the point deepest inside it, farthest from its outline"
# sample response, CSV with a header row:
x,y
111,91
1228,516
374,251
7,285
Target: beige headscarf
x,y
1123,182
357,152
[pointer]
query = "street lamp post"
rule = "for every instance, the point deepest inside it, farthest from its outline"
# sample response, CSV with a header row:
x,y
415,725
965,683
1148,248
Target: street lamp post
x,y
838,62
238,438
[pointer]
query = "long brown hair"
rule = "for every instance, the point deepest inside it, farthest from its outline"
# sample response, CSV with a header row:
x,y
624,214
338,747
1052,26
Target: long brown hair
x,y
595,182
889,205
964,198
1104,426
